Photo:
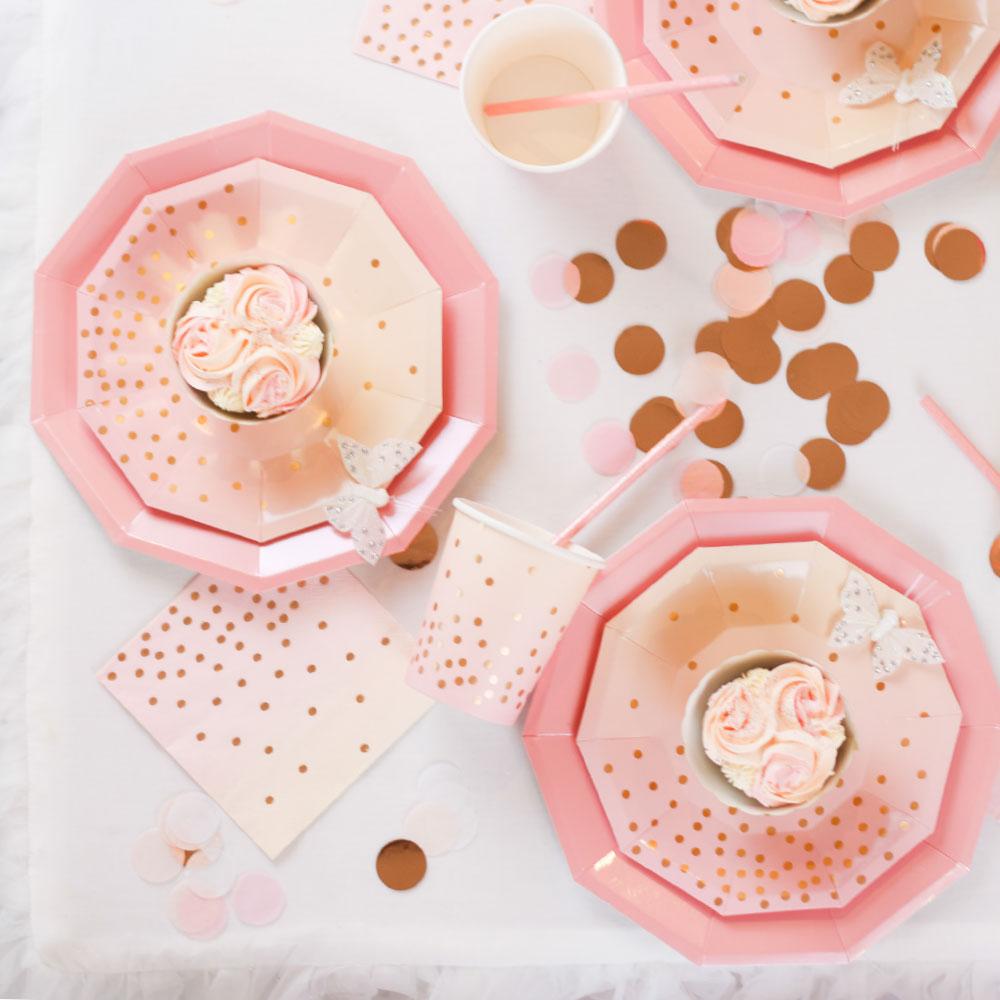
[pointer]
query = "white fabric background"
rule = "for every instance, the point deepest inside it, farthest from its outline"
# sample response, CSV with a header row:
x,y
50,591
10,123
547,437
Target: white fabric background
x,y
84,83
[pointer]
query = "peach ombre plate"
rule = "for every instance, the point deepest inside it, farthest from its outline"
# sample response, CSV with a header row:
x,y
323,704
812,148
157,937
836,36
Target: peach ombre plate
x,y
786,137
644,829
789,104
406,305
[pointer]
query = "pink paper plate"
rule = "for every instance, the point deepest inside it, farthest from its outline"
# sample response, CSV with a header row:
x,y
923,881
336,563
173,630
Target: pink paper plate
x,y
741,164
934,846
412,310
789,103
719,603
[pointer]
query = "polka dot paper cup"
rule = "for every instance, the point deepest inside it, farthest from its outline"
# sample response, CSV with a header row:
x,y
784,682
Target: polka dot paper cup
x,y
502,599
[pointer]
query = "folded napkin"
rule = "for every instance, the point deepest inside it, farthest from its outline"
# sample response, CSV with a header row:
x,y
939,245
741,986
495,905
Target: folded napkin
x,y
273,702
431,39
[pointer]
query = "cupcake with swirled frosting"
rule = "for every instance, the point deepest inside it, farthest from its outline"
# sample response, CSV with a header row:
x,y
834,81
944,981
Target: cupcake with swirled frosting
x,y
251,343
775,733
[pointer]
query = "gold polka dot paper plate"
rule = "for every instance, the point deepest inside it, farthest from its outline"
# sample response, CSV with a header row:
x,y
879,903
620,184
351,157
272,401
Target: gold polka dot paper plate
x,y
648,823
790,103
398,290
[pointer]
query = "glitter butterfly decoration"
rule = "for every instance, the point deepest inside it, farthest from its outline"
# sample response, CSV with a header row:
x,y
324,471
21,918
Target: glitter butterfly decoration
x,y
354,510
865,621
883,75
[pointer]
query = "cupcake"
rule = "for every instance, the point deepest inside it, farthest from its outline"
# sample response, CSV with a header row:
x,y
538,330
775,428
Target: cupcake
x,y
251,343
775,733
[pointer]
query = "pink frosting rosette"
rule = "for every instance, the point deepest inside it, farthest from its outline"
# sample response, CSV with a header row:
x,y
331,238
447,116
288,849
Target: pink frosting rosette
x,y
208,351
737,723
793,769
803,698
268,297
823,10
250,342
274,380
776,733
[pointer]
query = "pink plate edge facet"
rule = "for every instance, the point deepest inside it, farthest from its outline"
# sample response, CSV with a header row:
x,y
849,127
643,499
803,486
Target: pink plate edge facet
x,y
814,936
840,192
470,362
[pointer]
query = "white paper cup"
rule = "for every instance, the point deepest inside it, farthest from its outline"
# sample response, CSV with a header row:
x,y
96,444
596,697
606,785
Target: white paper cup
x,y
706,770
537,51
503,597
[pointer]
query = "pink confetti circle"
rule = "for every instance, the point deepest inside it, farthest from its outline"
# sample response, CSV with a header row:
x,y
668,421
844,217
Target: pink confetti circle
x,y
609,447
196,916
258,899
555,281
803,241
154,860
702,480
757,236
783,471
573,376
704,380
191,820
791,217
742,292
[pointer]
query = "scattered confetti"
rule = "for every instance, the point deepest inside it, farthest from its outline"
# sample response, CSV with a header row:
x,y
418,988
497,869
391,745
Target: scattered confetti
x,y
641,244
195,916
555,281
420,551
757,236
656,418
573,376
190,820
609,447
802,241
749,347
154,860
742,292
855,411
874,246
704,380
639,350
258,899
723,236
723,430
597,277
827,463
702,480
995,555
846,281
727,478
813,373
401,865
800,305
958,253
783,471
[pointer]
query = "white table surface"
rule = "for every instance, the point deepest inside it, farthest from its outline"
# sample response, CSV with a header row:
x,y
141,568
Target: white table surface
x,y
86,83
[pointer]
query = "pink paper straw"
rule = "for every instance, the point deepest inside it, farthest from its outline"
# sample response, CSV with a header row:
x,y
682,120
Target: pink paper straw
x,y
971,452
664,445
612,94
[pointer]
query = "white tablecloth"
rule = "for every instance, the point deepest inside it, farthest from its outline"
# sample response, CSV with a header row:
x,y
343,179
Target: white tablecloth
x,y
85,83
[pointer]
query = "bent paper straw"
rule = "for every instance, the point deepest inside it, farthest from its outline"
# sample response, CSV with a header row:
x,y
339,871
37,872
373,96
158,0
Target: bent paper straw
x,y
666,444
612,94
971,452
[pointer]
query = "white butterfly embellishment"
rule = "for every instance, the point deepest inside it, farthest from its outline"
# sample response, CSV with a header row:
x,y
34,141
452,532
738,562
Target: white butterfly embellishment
x,y
354,510
883,75
865,621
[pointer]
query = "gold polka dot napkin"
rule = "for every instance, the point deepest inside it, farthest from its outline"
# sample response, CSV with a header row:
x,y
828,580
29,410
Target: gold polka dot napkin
x,y
431,39
273,702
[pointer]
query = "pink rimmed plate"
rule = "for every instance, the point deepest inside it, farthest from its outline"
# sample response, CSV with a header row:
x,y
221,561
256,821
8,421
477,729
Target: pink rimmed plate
x,y
794,73
412,316
559,735
718,604
744,168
